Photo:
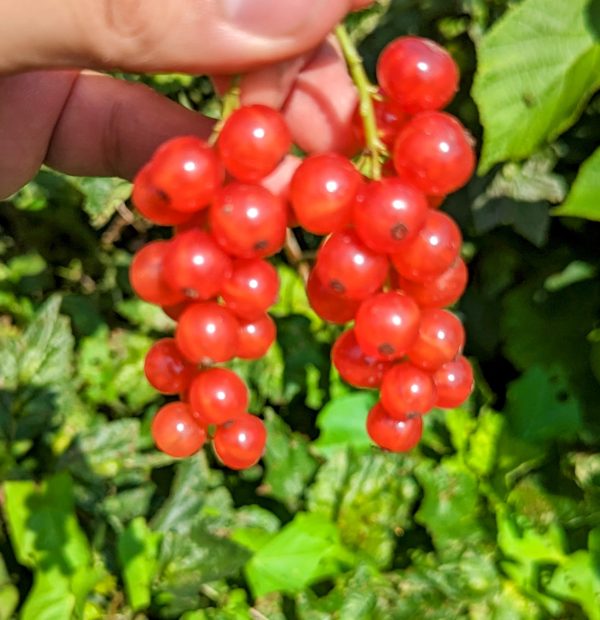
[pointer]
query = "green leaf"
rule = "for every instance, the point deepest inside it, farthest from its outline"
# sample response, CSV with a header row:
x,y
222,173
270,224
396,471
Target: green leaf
x,y
288,463
49,598
529,88
540,408
450,508
102,196
187,561
42,524
196,494
370,497
305,550
111,365
137,547
583,200
578,580
9,593
47,347
342,423
551,330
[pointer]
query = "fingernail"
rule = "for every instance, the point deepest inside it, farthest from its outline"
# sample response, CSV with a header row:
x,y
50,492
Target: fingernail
x,y
268,17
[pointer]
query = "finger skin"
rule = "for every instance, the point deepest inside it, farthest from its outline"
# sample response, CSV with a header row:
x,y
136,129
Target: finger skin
x,y
83,124
195,36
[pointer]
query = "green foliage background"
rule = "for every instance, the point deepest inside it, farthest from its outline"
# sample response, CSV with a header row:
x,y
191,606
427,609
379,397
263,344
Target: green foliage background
x,y
495,516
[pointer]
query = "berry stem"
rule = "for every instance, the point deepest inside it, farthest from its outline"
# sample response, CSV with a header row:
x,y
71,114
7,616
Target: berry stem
x,y
230,101
295,256
375,149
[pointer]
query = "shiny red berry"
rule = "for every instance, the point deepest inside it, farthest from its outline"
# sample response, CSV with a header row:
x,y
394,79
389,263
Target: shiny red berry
x,y
251,289
195,265
387,325
148,278
434,153
439,292
218,395
248,221
322,192
328,304
441,338
418,74
390,214
187,172
393,434
166,369
254,139
453,383
432,251
176,432
345,265
207,333
256,337
240,443
406,389
354,366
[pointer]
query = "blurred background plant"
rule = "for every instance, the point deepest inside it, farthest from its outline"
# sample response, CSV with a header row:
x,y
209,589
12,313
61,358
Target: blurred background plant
x,y
495,516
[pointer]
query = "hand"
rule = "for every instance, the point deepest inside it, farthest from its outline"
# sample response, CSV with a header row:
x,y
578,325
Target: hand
x,y
85,123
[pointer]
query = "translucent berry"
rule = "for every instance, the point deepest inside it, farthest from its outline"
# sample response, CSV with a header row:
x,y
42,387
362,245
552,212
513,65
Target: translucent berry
x,y
240,443
176,432
393,434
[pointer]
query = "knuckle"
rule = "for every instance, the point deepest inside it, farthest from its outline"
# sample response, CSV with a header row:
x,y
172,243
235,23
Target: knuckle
x,y
130,29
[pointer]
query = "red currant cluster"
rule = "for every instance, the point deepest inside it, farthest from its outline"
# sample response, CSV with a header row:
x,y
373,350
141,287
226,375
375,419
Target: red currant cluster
x,y
211,277
390,262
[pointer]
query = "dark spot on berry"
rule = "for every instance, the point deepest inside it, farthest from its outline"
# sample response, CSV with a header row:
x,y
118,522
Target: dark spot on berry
x,y
261,245
162,195
386,349
337,287
398,232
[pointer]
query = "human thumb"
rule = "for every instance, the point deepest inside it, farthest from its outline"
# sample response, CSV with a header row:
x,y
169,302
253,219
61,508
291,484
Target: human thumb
x,y
195,36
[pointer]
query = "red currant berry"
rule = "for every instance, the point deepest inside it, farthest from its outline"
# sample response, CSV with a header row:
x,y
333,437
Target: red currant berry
x,y
439,292
389,118
240,443
218,395
152,202
392,434
345,265
256,337
253,141
387,325
207,332
251,289
434,153
147,275
197,220
166,369
187,172
354,366
390,214
432,251
418,74
176,432
195,265
248,221
407,389
453,382
322,192
441,338
328,304
176,310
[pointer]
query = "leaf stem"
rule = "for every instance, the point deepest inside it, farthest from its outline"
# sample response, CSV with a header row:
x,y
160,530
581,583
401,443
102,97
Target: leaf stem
x,y
229,102
375,149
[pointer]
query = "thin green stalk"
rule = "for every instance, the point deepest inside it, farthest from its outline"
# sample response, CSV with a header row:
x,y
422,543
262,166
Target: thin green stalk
x,y
229,102
375,149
